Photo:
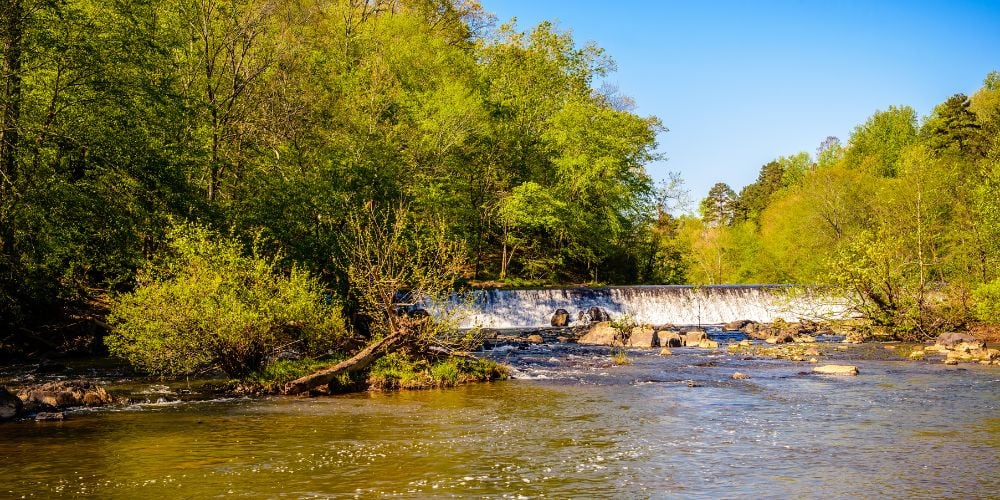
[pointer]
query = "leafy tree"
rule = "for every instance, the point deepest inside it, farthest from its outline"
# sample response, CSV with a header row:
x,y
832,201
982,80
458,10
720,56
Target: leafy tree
x,y
876,145
719,208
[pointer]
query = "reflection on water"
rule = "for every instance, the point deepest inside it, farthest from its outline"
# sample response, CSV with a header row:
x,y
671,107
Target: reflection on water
x,y
574,426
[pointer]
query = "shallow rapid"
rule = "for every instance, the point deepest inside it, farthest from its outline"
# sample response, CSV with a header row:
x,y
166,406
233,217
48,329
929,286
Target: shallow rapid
x,y
571,425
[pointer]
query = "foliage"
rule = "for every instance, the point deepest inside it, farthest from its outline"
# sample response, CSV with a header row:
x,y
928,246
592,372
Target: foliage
x,y
987,298
279,118
205,305
398,371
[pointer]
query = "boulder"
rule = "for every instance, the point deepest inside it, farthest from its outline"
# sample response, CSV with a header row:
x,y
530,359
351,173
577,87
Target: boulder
x,y
600,333
708,344
836,370
665,352
735,326
65,393
560,318
669,339
10,405
812,351
535,339
950,361
598,314
951,339
752,328
693,337
642,336
740,376
804,339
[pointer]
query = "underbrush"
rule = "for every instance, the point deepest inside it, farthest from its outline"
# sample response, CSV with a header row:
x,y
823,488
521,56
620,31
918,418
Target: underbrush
x,y
275,375
398,371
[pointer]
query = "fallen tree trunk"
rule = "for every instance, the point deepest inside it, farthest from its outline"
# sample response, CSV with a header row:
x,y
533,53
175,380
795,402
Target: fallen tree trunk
x,y
358,362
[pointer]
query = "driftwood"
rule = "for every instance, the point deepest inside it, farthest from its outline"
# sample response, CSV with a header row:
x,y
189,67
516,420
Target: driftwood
x,y
358,362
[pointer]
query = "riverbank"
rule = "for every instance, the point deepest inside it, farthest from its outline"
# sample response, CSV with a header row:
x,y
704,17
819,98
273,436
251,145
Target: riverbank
x,y
55,390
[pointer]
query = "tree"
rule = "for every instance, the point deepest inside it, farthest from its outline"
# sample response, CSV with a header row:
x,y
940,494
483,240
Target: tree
x,y
876,145
720,206
954,126
755,197
392,264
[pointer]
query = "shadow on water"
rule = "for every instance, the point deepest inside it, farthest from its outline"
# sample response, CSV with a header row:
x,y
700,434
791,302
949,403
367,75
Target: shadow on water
x,y
572,425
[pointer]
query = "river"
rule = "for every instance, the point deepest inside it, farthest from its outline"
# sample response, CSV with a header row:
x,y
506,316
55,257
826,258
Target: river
x,y
571,425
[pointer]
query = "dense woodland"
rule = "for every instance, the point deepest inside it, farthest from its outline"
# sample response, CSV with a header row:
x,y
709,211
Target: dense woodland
x,y
272,123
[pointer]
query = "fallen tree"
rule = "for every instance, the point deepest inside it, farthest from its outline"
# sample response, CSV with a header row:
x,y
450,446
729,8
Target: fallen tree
x,y
393,267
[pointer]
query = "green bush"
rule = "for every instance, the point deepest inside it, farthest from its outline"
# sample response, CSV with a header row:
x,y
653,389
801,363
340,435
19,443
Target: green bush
x,y
987,299
205,306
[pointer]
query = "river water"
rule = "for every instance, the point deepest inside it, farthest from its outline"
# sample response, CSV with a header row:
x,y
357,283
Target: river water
x,y
571,425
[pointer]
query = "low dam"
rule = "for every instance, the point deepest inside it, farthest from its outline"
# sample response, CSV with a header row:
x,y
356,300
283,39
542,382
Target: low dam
x,y
656,305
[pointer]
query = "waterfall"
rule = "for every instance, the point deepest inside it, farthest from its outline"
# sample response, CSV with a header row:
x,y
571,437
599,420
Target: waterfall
x,y
655,305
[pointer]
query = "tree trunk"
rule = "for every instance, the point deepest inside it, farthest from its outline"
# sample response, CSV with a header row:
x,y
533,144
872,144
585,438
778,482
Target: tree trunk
x,y
13,20
358,362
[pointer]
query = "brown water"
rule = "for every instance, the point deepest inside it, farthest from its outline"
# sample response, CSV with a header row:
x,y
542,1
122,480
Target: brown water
x,y
573,426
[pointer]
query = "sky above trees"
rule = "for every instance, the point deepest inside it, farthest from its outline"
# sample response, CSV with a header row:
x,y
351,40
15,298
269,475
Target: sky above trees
x,y
739,84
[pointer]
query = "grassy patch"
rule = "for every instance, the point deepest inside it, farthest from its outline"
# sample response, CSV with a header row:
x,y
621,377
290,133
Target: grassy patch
x,y
397,371
620,357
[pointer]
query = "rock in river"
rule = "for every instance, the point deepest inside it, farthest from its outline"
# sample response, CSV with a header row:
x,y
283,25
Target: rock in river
x,y
642,336
836,370
65,393
600,333
10,405
560,318
693,337
951,339
669,339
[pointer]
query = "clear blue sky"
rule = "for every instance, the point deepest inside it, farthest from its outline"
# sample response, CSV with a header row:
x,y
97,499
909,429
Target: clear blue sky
x,y
739,83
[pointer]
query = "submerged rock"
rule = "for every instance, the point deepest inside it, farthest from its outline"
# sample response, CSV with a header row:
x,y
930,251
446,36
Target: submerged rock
x,y
836,370
740,376
10,405
665,352
49,416
65,393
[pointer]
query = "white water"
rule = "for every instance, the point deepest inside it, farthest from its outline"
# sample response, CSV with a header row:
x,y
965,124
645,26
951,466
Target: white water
x,y
655,305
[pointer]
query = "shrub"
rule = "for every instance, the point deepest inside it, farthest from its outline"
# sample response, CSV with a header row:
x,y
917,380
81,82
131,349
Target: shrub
x,y
987,299
207,306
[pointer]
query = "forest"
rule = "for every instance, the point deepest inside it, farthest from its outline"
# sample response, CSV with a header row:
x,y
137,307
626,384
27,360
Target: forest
x,y
254,140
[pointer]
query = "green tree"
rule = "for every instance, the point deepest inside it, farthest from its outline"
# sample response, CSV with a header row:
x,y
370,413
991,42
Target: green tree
x,y
719,208
876,145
